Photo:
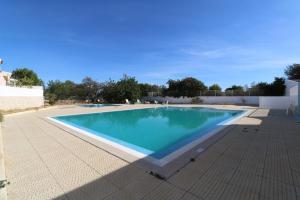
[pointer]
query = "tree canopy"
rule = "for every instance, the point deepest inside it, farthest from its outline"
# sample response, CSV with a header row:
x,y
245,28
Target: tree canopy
x,y
292,71
26,77
189,87
215,87
146,88
276,88
128,87
117,92
235,88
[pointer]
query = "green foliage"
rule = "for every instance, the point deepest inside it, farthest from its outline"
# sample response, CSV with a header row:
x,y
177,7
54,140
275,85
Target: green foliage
x,y
117,92
88,89
60,90
292,71
26,77
263,89
51,97
215,87
146,88
1,117
189,87
128,88
236,88
277,88
110,92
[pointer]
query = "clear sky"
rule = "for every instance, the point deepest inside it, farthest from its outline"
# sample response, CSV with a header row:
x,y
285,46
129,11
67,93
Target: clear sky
x,y
217,41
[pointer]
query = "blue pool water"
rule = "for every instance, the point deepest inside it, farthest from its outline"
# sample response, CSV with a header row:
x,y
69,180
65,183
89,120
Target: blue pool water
x,y
152,131
96,105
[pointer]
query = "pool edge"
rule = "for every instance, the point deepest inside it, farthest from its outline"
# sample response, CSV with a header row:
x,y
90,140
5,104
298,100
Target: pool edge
x,y
159,162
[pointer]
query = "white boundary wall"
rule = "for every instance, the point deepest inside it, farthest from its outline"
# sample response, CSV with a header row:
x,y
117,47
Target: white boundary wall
x,y
249,100
268,102
282,102
20,97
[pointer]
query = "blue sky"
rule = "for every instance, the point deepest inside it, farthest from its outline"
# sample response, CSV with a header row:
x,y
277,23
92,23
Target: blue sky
x,y
217,41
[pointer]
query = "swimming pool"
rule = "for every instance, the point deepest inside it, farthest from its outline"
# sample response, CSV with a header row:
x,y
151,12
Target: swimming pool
x,y
151,132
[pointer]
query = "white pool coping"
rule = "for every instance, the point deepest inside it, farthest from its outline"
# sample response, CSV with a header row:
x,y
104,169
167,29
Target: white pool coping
x,y
159,162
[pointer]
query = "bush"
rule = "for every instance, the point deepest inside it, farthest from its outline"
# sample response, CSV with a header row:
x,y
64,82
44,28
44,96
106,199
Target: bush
x,y
51,98
1,117
26,77
117,92
187,87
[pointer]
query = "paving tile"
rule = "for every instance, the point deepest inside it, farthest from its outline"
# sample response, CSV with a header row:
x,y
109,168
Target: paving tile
x,y
124,176
187,176
98,189
298,192
165,191
189,196
45,162
212,184
141,186
278,168
233,192
28,167
122,195
248,182
296,177
276,190
34,186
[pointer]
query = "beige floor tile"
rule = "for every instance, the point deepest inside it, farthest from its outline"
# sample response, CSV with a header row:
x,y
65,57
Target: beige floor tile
x,y
165,191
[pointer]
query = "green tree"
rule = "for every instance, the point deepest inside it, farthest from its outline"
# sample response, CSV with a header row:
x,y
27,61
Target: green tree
x,y
90,89
263,89
292,71
215,87
146,88
173,89
278,86
236,90
189,87
26,77
109,92
58,90
235,87
126,88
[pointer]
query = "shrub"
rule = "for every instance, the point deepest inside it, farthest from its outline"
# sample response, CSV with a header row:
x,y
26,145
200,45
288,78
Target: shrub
x,y
51,98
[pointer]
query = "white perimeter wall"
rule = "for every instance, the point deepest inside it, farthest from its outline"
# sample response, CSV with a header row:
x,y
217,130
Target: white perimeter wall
x,y
277,102
249,100
20,98
273,102
282,102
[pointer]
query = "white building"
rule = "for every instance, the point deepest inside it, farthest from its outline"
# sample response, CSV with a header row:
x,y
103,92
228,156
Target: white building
x,y
5,78
291,87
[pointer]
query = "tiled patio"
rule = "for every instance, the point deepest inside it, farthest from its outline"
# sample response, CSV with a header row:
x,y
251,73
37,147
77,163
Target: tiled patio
x,y
259,158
